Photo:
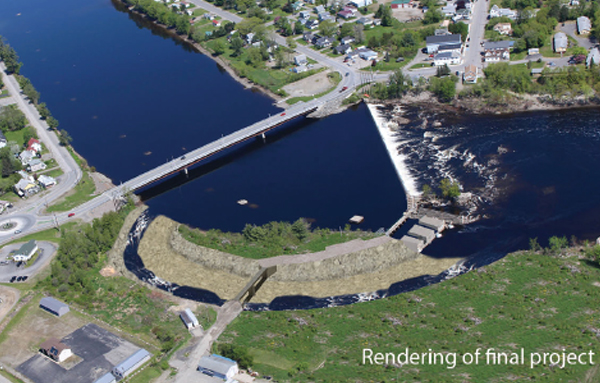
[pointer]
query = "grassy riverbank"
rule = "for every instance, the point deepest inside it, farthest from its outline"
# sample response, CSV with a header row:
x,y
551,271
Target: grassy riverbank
x,y
539,302
272,239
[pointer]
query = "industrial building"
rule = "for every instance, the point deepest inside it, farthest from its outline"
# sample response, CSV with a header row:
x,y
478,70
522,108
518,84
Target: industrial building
x,y
131,364
218,366
53,306
427,235
106,378
413,244
432,223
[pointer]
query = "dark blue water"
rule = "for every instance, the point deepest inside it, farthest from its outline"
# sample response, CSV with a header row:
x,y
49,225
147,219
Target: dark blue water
x,y
123,89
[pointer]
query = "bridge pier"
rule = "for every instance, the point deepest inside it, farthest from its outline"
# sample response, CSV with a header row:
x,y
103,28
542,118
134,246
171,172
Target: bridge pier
x,y
264,138
185,171
255,283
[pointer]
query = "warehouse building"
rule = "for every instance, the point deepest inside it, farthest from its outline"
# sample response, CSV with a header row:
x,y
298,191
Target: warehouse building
x,y
131,364
189,319
106,378
427,235
53,306
218,366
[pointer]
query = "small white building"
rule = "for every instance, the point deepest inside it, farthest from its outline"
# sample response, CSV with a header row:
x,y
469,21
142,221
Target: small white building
x,y
218,366
26,156
593,58
56,350
25,252
560,42
189,319
361,3
584,25
447,58
367,54
36,165
46,181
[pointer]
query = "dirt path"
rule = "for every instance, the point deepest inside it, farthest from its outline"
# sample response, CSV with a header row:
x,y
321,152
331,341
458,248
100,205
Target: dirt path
x,y
9,298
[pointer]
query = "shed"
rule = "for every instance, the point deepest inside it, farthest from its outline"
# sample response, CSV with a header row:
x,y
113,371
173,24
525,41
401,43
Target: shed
x,y
106,378
412,243
536,71
218,366
56,350
54,306
432,223
427,235
131,364
25,252
189,319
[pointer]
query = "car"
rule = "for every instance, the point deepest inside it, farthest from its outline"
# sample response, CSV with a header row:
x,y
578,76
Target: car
x,y
343,89
71,215
182,158
24,278
19,279
17,231
399,59
347,74
282,114
20,263
13,278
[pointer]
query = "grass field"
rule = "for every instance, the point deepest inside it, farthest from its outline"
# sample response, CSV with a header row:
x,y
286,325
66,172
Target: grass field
x,y
82,193
538,302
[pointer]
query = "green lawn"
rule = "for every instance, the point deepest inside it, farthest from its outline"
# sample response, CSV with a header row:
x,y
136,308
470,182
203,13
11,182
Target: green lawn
x,y
82,193
50,235
538,302
421,65
198,12
17,136
53,173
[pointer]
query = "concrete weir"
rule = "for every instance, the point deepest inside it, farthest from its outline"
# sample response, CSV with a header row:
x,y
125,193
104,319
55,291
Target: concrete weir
x,y
347,268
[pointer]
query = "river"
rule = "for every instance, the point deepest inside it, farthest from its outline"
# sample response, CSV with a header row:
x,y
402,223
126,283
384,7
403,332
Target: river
x,y
133,97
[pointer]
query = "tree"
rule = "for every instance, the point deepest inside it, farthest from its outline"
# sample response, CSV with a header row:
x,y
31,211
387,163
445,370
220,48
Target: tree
x,y
399,84
64,138
219,47
301,229
43,110
384,12
359,33
449,189
29,134
298,28
10,58
328,28
280,59
443,71
182,25
52,122
11,119
237,45
291,42
459,28
32,94
347,29
432,16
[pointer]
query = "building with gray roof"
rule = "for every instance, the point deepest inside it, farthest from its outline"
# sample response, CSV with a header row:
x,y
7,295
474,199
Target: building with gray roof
x,y
584,25
427,235
131,364
432,223
25,252
189,319
560,42
54,306
218,366
106,378
413,243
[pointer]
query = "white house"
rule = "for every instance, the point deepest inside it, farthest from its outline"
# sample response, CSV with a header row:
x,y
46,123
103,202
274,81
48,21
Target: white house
x,y
584,25
503,28
560,42
189,319
36,165
496,11
361,3
449,10
300,60
218,366
593,57
25,252
367,55
56,350
26,156
34,145
447,58
46,181
444,43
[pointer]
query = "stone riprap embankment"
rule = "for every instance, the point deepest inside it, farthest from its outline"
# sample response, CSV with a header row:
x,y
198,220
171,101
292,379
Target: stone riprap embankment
x,y
348,268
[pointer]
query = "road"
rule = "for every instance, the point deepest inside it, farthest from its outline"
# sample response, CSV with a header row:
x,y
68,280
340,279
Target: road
x,y
570,28
476,33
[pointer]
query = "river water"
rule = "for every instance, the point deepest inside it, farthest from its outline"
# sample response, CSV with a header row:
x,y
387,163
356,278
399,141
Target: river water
x,y
133,97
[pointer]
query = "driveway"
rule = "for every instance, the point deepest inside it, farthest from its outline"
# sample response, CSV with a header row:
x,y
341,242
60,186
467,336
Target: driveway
x,y
8,271
570,28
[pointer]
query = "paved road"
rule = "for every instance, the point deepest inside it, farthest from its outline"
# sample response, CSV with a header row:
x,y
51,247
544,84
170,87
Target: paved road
x,y
476,33
570,28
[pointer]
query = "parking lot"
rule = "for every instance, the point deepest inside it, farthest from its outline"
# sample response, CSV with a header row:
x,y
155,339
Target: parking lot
x,y
98,349
9,268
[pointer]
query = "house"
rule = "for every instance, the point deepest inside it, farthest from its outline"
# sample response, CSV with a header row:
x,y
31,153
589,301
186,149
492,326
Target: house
x,y
46,181
26,156
36,165
469,77
574,2
423,233
401,4
297,6
54,306
305,15
361,3
325,16
189,319
131,364
324,42
593,57
444,43
300,60
441,32
26,188
218,366
432,222
343,49
447,58
449,10
3,140
312,24
367,54
26,176
365,21
25,252
533,51
496,11
560,42
536,71
344,14
216,23
584,25
376,21
56,350
348,40
496,55
308,36
497,45
462,14
209,16
299,69
412,243
319,9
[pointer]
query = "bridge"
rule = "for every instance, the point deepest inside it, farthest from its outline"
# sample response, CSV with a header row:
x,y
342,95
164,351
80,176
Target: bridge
x,y
197,155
